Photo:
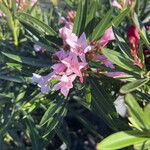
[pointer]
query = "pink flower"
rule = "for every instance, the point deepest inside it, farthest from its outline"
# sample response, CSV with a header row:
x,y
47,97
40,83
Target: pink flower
x,y
105,61
116,4
108,36
80,46
62,54
68,36
65,84
73,66
115,74
59,68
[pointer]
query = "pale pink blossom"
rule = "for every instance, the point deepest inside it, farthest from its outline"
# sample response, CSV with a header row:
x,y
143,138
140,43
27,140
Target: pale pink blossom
x,y
108,36
73,66
116,4
67,36
61,54
80,46
43,81
105,61
65,84
59,68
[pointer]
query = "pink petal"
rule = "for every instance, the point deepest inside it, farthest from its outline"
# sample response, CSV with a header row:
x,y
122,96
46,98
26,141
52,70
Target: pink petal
x,y
108,36
59,68
105,61
116,4
82,41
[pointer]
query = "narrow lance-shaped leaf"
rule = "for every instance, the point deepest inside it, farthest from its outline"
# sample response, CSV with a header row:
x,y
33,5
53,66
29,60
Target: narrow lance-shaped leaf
x,y
122,44
80,19
28,61
106,23
51,111
9,16
129,87
57,118
142,30
117,20
135,111
146,116
33,133
120,60
39,23
123,139
100,28
16,79
90,20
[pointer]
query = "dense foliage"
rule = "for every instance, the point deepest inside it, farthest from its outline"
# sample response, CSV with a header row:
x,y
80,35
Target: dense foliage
x,y
74,74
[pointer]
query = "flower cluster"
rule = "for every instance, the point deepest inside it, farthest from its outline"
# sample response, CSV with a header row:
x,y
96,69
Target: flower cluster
x,y
72,61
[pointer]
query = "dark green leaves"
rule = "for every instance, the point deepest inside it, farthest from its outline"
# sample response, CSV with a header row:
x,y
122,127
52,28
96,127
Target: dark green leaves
x,y
122,44
40,24
28,61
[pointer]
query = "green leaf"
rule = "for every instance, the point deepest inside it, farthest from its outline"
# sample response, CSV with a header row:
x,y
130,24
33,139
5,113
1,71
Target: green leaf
x,y
33,31
102,105
28,61
106,23
80,19
129,87
122,43
117,20
51,111
146,116
33,133
135,111
63,134
56,117
39,23
122,139
102,26
142,146
120,60
90,20
8,14
88,95
142,30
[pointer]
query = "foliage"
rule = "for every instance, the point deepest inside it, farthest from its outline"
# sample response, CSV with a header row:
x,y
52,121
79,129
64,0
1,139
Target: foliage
x,y
32,35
